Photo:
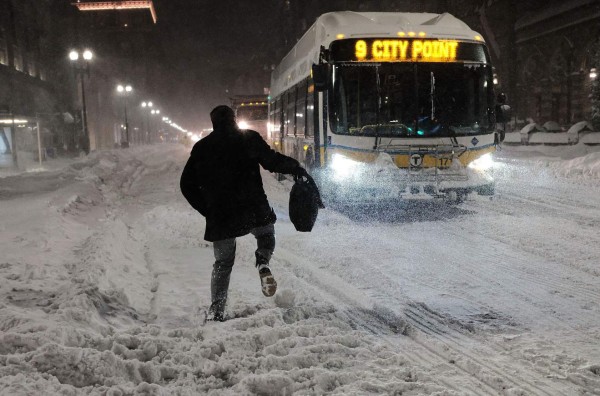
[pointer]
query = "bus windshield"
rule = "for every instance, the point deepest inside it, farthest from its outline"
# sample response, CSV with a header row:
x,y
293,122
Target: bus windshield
x,y
411,99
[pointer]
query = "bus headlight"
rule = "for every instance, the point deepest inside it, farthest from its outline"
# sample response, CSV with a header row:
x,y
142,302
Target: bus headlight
x,y
243,125
343,167
483,163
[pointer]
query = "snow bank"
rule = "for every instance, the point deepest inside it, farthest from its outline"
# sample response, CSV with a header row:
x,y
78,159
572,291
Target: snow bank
x,y
552,134
579,161
531,127
586,167
581,126
549,138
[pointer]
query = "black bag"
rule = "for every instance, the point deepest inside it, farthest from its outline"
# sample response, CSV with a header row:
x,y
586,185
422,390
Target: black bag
x,y
305,202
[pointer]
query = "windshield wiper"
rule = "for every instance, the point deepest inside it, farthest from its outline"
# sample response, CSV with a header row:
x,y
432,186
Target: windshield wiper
x,y
384,129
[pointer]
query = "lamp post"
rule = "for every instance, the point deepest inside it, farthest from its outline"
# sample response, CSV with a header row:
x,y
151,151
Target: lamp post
x,y
155,112
125,90
81,64
147,105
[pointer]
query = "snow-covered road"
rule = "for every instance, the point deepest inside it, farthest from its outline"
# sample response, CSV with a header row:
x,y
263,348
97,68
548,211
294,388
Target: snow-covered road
x,y
104,275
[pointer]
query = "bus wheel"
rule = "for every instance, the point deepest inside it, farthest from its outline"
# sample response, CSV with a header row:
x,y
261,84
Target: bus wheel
x,y
487,190
456,197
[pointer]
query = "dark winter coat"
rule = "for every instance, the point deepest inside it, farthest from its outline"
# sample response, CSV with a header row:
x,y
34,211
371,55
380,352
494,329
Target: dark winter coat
x,y
222,181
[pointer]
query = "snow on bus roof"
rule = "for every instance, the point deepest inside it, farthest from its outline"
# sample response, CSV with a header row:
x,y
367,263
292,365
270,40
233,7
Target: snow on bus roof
x,y
328,27
392,22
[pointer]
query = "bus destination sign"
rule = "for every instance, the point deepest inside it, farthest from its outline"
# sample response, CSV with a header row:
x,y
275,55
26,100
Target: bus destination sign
x,y
406,50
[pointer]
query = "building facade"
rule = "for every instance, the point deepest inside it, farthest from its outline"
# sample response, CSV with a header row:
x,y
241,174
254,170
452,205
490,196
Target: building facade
x,y
555,59
122,36
34,82
542,51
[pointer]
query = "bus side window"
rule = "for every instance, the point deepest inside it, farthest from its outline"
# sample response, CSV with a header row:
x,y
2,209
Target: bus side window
x,y
290,116
270,127
284,115
310,109
301,109
277,120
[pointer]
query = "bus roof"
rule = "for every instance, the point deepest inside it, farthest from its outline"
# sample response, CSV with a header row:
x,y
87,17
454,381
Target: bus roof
x,y
296,65
238,100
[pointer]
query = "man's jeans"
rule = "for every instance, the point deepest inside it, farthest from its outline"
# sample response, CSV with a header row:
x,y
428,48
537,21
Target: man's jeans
x,y
224,257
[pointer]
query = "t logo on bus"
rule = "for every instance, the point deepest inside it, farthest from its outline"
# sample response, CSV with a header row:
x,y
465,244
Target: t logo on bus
x,y
416,160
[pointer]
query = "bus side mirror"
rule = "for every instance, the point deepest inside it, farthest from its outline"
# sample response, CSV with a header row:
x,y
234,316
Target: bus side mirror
x,y
319,76
503,111
501,98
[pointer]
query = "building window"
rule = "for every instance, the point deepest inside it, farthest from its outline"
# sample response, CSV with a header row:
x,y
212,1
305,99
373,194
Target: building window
x,y
18,58
556,107
3,52
3,48
31,66
530,102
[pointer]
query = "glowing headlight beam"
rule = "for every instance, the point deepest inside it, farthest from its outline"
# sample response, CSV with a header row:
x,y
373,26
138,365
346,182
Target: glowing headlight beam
x,y
483,163
343,167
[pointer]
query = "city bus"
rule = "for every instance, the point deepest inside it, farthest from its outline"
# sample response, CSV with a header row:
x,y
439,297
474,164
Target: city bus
x,y
251,112
388,106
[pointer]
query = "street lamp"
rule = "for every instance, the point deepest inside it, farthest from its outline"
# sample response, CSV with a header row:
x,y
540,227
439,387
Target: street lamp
x,y
156,112
82,68
148,105
125,90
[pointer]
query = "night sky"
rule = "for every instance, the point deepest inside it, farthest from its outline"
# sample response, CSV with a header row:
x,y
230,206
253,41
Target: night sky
x,y
212,50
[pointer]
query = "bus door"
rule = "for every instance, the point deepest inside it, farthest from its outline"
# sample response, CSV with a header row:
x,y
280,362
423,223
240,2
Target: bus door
x,y
319,83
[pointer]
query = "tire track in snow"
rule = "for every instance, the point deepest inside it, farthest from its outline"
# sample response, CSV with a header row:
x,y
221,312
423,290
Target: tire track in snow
x,y
473,275
424,320
549,280
442,328
371,322
583,290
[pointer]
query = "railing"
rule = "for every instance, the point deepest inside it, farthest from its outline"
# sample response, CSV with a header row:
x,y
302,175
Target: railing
x,y
534,134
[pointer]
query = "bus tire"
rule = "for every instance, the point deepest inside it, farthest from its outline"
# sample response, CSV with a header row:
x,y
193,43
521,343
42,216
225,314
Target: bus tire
x,y
486,190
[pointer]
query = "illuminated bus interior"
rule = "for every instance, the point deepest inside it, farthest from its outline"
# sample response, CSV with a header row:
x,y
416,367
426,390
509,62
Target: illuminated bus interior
x,y
411,99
